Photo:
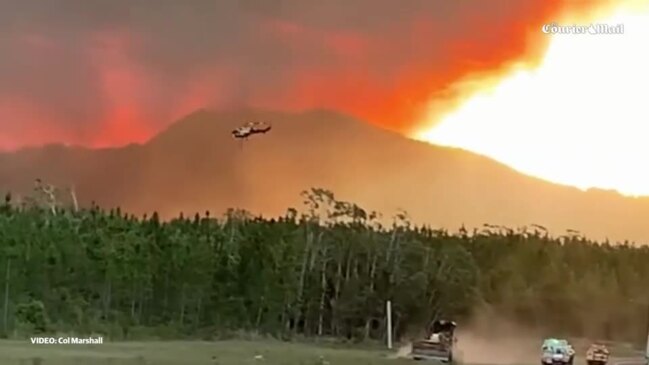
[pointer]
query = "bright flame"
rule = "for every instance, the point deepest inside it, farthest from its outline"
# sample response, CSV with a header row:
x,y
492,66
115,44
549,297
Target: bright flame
x,y
580,118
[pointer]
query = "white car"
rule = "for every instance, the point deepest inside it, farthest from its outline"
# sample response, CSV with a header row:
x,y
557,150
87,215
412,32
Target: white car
x,y
557,352
558,358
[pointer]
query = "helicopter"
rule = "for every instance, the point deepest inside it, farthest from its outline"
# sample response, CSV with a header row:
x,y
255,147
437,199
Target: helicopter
x,y
251,128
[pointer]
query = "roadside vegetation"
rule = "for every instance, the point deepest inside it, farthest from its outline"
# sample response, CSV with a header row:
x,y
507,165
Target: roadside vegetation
x,y
325,270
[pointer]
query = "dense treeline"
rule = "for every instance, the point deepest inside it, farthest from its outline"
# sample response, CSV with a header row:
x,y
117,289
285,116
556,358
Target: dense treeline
x,y
325,272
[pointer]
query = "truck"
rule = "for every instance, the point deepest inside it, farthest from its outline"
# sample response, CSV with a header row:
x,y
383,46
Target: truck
x,y
438,344
597,354
557,352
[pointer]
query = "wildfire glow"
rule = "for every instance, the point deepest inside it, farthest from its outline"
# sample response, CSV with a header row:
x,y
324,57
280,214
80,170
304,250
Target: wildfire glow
x,y
581,117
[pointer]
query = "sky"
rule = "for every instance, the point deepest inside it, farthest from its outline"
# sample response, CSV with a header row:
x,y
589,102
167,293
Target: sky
x,y
475,74
105,73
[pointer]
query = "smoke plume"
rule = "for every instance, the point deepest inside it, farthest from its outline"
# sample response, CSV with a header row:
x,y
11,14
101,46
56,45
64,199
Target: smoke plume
x,y
114,72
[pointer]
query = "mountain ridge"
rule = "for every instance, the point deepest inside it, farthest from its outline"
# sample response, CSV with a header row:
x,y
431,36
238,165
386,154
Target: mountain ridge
x,y
195,165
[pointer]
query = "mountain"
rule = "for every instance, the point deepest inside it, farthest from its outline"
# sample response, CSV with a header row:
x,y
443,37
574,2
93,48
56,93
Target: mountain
x,y
196,165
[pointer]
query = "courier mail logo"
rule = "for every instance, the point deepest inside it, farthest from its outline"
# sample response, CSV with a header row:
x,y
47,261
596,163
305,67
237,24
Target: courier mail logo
x,y
593,29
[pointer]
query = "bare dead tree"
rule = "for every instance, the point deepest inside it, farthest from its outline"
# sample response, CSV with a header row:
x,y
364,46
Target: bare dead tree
x,y
49,191
73,195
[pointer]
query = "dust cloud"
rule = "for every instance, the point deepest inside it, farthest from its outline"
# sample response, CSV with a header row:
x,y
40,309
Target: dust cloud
x,y
404,351
488,339
491,339
502,349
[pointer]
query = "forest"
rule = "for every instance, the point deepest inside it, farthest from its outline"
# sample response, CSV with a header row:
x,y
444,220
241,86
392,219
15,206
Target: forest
x,y
323,270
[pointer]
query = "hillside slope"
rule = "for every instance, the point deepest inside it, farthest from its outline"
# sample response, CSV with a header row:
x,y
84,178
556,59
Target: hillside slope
x,y
196,165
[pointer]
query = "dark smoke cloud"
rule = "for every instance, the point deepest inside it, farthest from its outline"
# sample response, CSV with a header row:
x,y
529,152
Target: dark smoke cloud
x,y
111,72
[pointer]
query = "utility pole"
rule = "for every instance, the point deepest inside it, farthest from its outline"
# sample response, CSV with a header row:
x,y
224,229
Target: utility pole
x,y
388,309
646,354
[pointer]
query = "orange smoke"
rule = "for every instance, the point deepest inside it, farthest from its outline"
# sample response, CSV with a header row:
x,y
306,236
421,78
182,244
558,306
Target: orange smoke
x,y
383,75
398,101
